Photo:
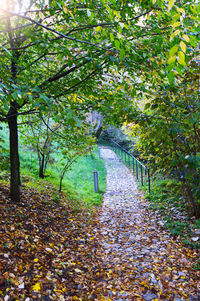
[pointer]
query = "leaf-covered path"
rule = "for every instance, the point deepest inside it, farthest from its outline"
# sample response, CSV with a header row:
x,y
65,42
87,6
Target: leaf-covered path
x,y
50,251
142,260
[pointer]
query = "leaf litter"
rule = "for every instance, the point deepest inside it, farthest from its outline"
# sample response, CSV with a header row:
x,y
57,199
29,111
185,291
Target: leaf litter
x,y
49,251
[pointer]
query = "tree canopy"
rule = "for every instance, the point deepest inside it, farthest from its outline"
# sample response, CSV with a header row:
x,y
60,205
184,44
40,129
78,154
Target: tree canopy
x,y
74,57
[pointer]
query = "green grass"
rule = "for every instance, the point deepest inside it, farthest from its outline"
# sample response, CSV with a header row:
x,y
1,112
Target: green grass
x,y
78,183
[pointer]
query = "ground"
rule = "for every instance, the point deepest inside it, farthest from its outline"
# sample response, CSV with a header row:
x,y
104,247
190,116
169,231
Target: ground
x,y
49,251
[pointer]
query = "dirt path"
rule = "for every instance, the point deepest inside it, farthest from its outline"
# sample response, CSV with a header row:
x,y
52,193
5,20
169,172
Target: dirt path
x,y
141,259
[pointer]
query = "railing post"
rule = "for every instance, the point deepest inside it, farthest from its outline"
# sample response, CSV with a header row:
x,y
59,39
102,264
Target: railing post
x,y
141,174
96,182
129,160
125,156
136,170
133,165
148,174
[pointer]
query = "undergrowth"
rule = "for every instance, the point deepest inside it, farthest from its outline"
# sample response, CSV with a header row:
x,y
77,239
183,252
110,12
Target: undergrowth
x,y
166,198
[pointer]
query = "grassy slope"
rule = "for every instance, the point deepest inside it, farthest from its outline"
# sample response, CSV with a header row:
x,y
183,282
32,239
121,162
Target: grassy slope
x,y
78,182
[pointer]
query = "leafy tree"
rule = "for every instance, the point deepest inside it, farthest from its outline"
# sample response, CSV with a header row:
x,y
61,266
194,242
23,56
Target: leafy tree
x,y
56,58
169,134
39,135
80,144
49,52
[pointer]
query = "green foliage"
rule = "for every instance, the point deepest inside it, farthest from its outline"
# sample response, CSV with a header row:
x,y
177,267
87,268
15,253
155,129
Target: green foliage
x,y
167,199
4,149
169,138
85,60
118,135
177,228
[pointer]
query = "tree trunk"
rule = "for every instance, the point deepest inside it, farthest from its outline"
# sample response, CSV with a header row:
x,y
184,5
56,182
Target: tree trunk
x,y
14,156
61,178
41,168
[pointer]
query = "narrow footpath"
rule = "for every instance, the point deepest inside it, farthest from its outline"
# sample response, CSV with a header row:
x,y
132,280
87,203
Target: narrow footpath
x,y
141,259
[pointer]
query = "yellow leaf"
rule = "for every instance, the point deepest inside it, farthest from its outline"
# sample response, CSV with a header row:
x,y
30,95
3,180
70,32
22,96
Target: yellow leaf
x,y
98,28
36,260
180,10
176,24
183,46
75,97
186,38
171,60
78,271
36,287
170,4
175,33
65,9
41,15
181,56
153,1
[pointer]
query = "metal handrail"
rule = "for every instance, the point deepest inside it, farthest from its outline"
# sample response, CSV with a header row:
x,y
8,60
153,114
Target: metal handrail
x,y
135,162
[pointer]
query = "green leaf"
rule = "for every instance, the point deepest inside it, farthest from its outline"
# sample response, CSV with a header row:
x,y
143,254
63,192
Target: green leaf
x,y
171,60
173,50
171,76
147,105
117,44
20,101
122,54
6,106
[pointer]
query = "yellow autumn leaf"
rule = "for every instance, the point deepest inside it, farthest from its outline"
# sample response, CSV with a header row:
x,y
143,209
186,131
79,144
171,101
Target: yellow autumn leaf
x,y
75,97
171,4
171,60
176,24
175,33
181,56
36,260
65,9
36,287
183,46
186,38
153,1
180,10
98,28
